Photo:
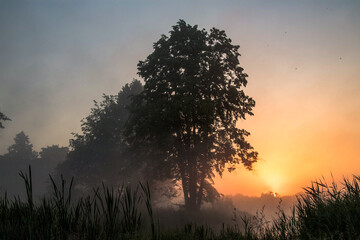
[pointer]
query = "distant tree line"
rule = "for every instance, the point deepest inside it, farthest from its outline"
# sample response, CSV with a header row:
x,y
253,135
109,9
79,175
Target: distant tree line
x,y
19,156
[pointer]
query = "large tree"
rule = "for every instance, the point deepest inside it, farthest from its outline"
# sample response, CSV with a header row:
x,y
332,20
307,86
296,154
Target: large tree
x,y
186,117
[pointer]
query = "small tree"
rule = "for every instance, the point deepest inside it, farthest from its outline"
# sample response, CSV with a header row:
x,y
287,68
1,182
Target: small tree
x,y
22,149
186,118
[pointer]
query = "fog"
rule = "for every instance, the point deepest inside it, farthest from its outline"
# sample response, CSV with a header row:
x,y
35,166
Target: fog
x,y
57,57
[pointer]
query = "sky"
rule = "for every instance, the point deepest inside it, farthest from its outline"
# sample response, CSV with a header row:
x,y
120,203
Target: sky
x,y
302,58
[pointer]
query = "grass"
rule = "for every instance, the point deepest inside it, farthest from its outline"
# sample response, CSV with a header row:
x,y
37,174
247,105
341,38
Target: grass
x,y
322,212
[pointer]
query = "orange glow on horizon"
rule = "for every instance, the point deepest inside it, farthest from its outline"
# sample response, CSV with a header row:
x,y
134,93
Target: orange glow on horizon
x,y
302,132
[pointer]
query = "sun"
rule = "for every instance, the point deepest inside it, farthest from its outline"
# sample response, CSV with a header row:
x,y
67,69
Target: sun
x,y
274,180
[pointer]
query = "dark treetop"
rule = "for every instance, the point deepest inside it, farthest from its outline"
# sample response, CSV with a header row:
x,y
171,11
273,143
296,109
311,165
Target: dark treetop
x,y
186,117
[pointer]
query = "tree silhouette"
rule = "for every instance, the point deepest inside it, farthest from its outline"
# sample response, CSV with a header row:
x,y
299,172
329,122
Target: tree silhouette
x,y
99,154
19,156
186,118
3,118
22,149
51,156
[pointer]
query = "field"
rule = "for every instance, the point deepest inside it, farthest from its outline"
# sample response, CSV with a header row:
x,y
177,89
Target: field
x,y
322,212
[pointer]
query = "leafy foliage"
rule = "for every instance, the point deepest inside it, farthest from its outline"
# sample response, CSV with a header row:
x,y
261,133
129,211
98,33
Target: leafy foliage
x,y
99,153
53,155
19,155
186,117
22,149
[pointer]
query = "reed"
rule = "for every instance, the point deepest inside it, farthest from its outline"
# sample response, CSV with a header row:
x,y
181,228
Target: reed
x,y
324,211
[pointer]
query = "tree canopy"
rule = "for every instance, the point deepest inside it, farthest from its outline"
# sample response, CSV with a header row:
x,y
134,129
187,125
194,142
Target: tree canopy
x,y
98,154
186,117
22,149
53,155
19,156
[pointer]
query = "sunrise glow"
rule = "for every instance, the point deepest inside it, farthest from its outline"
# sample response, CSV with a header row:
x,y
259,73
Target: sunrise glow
x,y
302,60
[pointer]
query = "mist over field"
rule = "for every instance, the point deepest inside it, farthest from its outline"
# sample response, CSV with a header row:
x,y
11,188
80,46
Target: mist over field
x,y
179,120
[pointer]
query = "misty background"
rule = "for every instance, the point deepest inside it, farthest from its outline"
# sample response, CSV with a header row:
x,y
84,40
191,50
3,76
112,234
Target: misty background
x,y
58,56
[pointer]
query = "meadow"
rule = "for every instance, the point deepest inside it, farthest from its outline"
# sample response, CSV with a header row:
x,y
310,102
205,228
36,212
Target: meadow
x,y
323,211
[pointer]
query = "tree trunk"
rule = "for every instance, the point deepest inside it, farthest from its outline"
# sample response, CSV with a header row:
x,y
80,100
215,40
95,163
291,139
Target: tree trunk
x,y
191,196
192,192
200,191
185,186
